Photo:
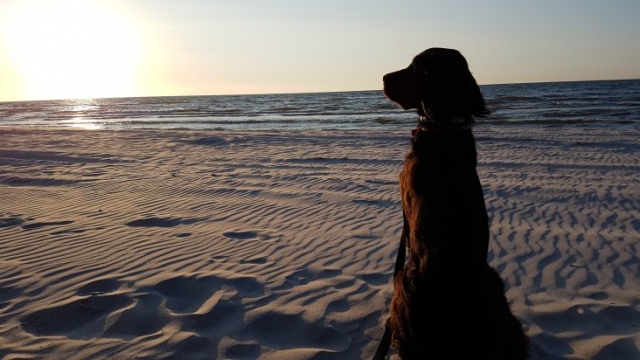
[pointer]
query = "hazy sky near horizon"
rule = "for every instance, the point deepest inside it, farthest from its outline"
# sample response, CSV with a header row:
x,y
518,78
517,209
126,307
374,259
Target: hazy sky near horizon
x,y
52,49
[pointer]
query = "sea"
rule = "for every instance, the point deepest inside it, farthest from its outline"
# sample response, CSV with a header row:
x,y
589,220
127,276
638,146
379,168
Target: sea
x,y
584,104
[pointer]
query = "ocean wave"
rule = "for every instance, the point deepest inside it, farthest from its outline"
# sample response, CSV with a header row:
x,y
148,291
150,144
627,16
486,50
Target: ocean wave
x,y
549,104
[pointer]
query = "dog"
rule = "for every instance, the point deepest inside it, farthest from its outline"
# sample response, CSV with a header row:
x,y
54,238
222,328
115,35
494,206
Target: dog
x,y
448,302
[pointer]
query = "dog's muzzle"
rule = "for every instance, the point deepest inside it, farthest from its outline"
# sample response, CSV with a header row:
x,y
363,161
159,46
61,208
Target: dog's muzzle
x,y
399,86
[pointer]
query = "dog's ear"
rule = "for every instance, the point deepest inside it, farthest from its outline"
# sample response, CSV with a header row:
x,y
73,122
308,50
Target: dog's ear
x,y
450,90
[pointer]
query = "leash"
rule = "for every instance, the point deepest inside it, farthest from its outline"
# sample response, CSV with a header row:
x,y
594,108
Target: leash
x,y
385,342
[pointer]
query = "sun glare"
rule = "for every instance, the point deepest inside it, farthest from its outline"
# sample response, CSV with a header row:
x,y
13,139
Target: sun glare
x,y
73,49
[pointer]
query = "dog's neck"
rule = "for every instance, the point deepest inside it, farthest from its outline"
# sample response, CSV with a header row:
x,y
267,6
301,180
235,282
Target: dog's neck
x,y
459,120
427,124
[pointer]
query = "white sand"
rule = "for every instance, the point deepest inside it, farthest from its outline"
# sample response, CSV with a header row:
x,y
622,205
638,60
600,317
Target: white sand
x,y
203,245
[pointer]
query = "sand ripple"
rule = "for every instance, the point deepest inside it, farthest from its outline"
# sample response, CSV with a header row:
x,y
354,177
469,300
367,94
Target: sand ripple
x,y
193,245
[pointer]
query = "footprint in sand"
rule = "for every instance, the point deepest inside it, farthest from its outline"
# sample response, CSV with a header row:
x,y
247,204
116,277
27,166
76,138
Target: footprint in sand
x,y
243,351
145,316
607,320
258,260
376,279
365,237
189,294
209,304
284,331
206,303
101,286
82,318
162,222
246,235
341,305
194,346
11,221
38,225
186,294
305,276
619,349
240,235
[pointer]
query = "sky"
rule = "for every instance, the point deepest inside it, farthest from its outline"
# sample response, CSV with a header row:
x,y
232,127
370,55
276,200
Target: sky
x,y
58,49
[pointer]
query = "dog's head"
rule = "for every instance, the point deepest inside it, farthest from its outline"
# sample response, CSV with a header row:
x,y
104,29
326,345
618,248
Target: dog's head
x,y
439,85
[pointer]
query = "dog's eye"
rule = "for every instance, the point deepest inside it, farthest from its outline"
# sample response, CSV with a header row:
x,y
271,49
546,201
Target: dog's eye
x,y
419,74
417,71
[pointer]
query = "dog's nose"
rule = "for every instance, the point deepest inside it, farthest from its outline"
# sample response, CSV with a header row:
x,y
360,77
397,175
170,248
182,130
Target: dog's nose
x,y
389,78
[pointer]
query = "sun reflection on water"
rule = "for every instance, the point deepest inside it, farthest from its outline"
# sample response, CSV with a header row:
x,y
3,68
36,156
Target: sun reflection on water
x,y
80,114
82,123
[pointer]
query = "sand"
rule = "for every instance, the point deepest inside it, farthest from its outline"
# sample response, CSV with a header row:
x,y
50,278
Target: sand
x,y
246,245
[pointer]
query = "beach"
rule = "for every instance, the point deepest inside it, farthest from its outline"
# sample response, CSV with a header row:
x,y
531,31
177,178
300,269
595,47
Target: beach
x,y
214,244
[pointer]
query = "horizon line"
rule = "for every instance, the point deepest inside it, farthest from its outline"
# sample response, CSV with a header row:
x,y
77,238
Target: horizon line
x,y
300,93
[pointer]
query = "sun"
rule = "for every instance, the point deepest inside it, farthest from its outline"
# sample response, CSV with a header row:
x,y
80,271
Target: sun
x,y
72,49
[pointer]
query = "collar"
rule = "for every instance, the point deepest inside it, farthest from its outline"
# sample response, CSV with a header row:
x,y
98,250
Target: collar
x,y
426,124
453,120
